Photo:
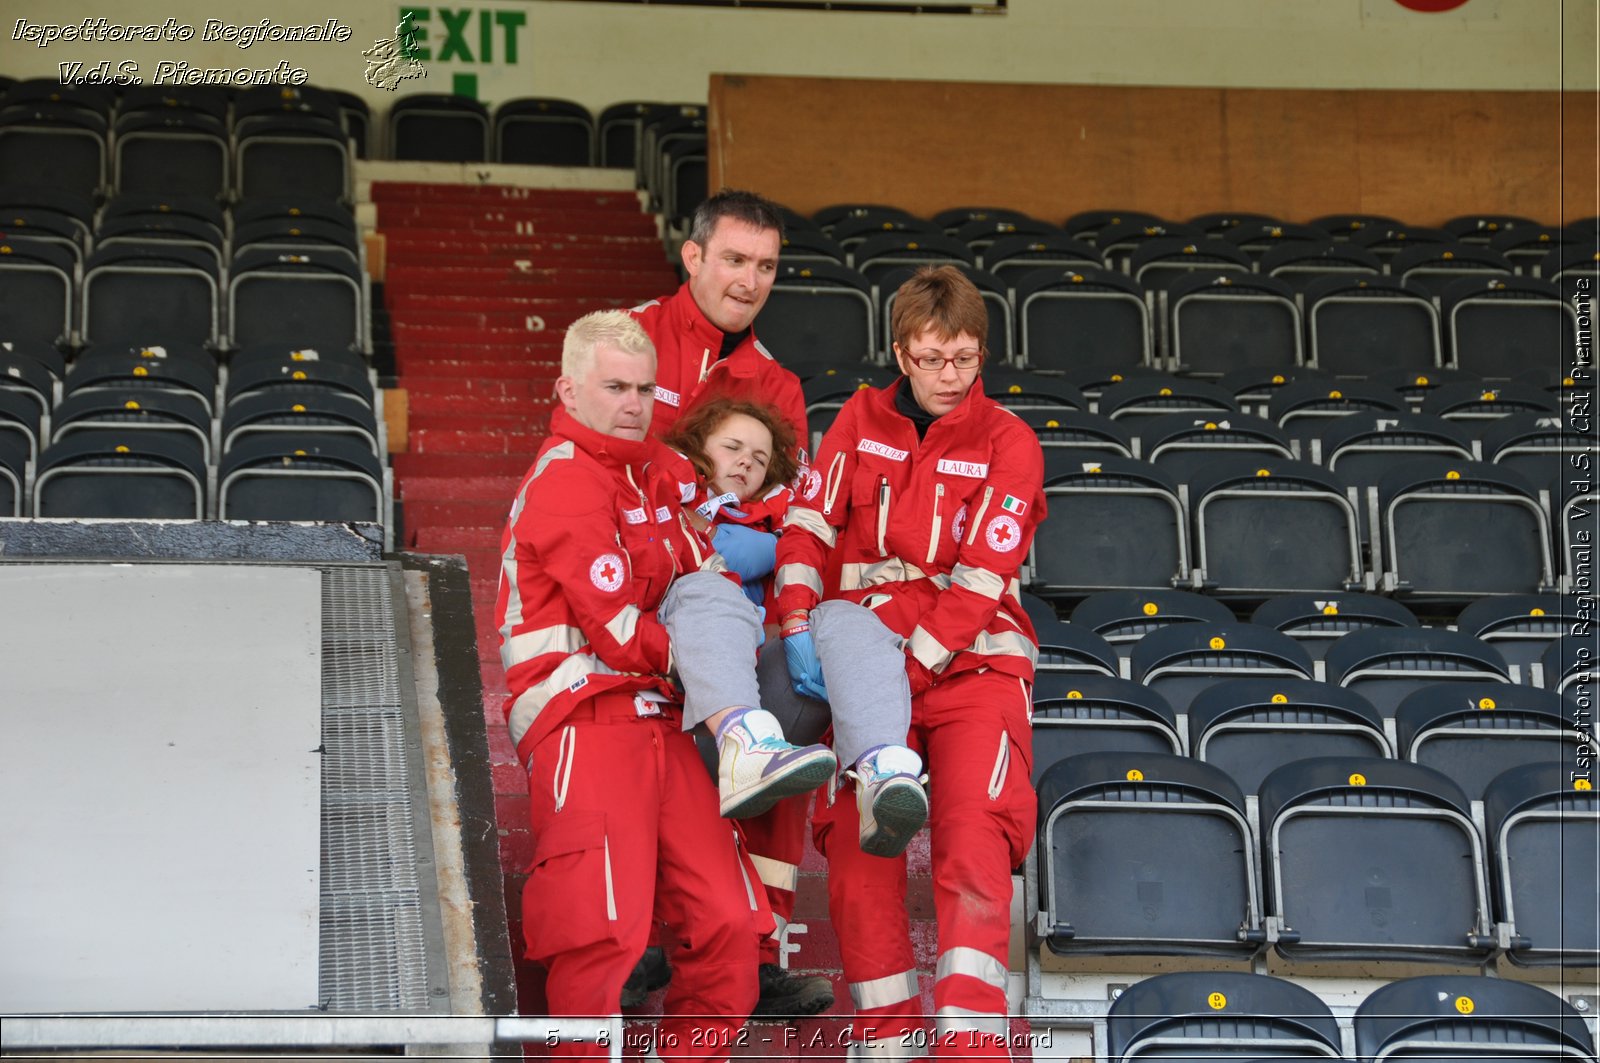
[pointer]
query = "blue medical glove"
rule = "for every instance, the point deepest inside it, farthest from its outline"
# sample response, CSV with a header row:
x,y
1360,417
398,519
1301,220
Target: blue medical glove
x,y
752,554
805,670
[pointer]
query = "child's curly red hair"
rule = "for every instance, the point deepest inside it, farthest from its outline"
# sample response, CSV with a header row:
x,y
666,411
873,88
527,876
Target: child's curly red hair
x,y
690,432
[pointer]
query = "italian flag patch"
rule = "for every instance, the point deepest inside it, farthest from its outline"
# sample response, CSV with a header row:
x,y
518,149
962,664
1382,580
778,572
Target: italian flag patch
x,y
1015,506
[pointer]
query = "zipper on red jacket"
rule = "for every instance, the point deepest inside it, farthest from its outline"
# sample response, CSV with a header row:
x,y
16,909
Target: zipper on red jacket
x,y
883,514
938,521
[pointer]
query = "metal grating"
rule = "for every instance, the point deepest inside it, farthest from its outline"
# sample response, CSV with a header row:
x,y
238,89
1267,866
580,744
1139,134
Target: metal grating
x,y
374,953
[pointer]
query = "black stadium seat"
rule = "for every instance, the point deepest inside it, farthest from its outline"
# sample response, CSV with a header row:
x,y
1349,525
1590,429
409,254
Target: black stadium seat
x,y
127,475
1085,713
819,311
1383,665
1544,831
1366,858
1122,618
1219,1015
1145,853
1181,660
1114,523
1468,1019
1474,731
1249,727
1265,526
1316,621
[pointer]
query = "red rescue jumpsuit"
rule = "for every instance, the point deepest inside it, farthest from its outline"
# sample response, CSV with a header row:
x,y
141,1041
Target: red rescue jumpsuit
x,y
689,372
624,817
930,535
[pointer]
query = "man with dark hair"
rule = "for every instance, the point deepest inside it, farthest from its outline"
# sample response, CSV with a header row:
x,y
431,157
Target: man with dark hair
x,y
705,348
702,332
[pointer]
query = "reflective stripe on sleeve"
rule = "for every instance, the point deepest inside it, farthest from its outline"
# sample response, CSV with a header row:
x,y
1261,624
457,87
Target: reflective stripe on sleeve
x,y
978,581
559,638
776,873
974,963
1005,644
798,574
532,701
624,625
929,650
949,1019
885,991
853,577
555,453
809,520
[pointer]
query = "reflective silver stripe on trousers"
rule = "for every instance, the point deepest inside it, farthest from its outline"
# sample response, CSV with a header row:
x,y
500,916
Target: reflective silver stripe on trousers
x,y
559,638
974,963
776,873
531,703
978,581
714,563
802,575
950,1019
811,521
624,625
882,992
749,888
780,927
929,650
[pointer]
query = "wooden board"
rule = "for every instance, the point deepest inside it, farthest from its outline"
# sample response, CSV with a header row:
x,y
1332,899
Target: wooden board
x,y
1053,150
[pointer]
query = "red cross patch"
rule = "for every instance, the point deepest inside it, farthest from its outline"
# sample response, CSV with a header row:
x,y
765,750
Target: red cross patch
x,y
606,572
1003,533
958,526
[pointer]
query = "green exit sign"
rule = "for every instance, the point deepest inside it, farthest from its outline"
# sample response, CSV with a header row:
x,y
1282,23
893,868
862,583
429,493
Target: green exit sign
x,y
461,34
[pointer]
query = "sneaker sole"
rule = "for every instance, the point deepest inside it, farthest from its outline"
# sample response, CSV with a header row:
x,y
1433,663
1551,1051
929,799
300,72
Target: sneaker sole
x,y
900,811
802,776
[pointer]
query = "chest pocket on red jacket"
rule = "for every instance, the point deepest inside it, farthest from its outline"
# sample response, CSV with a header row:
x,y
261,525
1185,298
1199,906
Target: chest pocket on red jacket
x,y
649,562
953,498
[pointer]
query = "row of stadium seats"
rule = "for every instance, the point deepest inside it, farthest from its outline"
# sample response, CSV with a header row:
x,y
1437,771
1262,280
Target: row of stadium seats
x,y
1235,1015
1298,405
187,428
1125,288
1252,527
286,141
271,141
1338,858
1205,321
1131,242
1387,693
180,270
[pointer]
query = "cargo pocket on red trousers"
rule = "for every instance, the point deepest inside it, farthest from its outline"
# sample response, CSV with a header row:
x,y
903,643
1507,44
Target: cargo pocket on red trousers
x,y
569,901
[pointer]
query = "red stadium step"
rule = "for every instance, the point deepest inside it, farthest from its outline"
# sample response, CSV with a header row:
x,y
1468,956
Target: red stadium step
x,y
457,488
478,513
483,441
460,465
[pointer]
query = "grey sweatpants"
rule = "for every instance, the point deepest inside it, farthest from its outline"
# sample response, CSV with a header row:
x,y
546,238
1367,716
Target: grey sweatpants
x,y
715,631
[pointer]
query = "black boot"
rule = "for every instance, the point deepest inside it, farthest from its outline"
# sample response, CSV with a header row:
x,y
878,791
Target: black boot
x,y
788,994
651,973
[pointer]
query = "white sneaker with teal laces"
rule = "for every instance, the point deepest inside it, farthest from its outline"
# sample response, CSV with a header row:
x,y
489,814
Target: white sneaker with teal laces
x,y
757,768
890,798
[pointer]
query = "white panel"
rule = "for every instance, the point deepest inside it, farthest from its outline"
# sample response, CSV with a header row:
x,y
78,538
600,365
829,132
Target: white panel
x,y
159,787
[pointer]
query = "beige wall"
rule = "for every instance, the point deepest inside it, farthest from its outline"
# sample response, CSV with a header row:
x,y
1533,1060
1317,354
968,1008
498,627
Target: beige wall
x,y
599,53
